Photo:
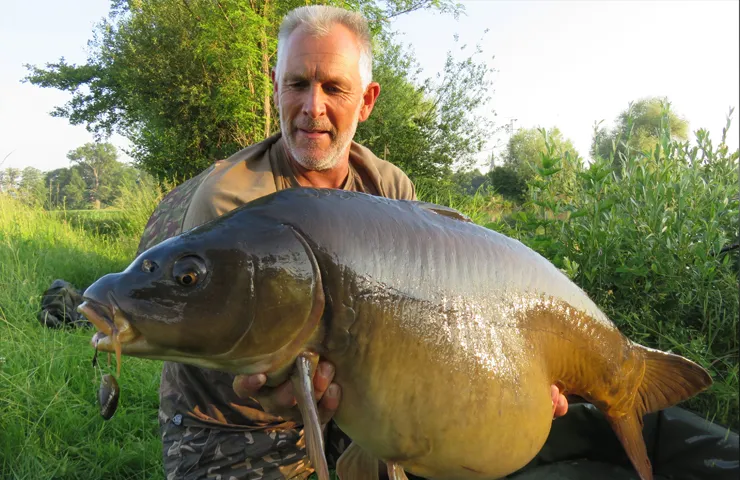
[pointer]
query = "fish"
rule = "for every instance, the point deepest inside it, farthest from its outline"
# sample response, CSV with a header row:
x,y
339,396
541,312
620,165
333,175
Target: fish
x,y
445,336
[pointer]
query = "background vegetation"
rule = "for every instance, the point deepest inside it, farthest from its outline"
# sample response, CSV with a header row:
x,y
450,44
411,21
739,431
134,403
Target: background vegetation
x,y
648,228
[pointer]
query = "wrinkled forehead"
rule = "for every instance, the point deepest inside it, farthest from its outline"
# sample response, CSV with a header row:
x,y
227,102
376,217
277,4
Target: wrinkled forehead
x,y
323,56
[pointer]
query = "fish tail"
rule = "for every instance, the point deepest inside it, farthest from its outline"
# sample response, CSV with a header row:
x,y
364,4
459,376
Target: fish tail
x,y
668,379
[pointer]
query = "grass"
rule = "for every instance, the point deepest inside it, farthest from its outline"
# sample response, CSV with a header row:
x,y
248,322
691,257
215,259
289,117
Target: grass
x,y
50,424
49,421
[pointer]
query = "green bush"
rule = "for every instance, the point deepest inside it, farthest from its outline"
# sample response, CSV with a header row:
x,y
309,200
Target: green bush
x,y
645,242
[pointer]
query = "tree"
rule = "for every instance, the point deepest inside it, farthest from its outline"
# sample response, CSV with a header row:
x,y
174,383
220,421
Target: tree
x,y
523,155
429,127
31,187
187,83
470,181
506,181
74,193
97,160
525,148
638,129
9,179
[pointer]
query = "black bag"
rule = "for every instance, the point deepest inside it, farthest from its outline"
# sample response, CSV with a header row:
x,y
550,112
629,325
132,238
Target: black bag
x,y
59,306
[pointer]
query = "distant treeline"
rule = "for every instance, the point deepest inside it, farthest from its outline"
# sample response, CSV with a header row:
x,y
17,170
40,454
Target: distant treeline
x,y
96,179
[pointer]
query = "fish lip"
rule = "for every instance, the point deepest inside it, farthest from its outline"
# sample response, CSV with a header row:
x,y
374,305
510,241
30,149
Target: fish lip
x,y
98,314
110,321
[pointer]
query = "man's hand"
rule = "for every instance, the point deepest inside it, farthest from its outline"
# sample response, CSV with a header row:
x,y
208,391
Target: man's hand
x,y
281,400
559,402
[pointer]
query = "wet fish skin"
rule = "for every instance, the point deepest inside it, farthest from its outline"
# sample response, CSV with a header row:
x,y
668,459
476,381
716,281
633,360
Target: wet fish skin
x,y
414,306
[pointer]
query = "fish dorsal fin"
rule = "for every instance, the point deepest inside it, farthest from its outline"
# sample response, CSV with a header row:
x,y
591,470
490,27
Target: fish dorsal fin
x,y
302,381
355,463
444,211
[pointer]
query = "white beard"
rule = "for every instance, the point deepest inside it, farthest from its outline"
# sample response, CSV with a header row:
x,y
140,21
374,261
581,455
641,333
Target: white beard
x,y
319,161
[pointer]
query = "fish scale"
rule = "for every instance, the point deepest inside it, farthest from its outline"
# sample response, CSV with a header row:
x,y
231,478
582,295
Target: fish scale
x,y
444,334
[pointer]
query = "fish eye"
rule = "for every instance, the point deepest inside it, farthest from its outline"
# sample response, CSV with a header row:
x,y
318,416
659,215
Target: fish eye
x,y
189,270
148,266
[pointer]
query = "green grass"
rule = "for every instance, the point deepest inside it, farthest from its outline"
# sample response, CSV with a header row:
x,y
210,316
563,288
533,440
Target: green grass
x,y
627,255
49,422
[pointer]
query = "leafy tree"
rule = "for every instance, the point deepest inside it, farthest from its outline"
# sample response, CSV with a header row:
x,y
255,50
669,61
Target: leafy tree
x,y
31,187
55,184
470,181
97,161
9,179
428,127
638,129
524,155
75,191
506,181
525,149
187,82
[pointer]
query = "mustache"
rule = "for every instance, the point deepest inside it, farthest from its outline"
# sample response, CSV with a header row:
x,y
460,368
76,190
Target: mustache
x,y
315,125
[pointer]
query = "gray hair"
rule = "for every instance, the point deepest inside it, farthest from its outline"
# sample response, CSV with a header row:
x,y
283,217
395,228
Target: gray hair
x,y
318,20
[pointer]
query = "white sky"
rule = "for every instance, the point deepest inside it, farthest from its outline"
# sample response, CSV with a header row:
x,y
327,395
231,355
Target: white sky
x,y
564,64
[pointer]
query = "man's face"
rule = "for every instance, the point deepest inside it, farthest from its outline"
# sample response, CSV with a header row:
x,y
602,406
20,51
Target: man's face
x,y
320,97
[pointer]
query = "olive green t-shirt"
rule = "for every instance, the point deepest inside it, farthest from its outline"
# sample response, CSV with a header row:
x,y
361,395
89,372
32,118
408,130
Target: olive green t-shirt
x,y
204,396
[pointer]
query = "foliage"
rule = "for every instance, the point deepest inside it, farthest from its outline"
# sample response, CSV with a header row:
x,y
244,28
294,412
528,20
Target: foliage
x,y
66,189
50,423
31,187
506,181
9,179
427,128
470,182
638,129
100,166
27,185
523,156
188,83
644,240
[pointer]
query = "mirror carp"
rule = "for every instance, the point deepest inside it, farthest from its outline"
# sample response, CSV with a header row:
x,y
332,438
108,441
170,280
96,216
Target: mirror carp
x,y
444,335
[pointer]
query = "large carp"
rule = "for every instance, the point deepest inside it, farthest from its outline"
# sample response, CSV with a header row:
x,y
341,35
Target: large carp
x,y
445,335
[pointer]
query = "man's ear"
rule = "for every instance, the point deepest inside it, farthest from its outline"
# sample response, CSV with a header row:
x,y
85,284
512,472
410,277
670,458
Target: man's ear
x,y
368,100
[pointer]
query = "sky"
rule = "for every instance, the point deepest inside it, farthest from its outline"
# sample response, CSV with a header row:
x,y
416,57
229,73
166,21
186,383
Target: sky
x,y
564,64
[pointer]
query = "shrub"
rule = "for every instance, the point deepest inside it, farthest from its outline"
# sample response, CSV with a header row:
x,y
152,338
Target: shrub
x,y
645,241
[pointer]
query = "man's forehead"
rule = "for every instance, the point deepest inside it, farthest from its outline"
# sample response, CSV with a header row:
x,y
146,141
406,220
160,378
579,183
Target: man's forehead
x,y
337,50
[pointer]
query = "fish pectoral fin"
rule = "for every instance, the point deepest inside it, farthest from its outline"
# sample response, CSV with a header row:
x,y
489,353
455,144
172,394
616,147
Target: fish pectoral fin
x,y
396,472
444,211
355,463
302,381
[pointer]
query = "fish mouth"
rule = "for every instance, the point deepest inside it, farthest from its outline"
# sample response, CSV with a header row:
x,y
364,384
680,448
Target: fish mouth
x,y
114,329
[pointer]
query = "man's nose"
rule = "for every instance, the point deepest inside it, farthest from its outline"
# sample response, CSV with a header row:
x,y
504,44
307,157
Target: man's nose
x,y
314,104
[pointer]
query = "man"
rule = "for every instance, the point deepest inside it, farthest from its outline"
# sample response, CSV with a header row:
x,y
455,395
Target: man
x,y
215,425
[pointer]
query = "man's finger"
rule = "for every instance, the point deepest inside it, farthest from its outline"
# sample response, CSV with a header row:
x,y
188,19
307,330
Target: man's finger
x,y
246,386
329,403
562,406
559,402
283,396
322,379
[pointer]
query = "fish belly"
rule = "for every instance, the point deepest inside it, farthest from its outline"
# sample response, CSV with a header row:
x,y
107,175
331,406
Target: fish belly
x,y
442,413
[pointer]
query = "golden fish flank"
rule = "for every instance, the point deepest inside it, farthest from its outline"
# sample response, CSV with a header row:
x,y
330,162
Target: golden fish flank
x,y
397,295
